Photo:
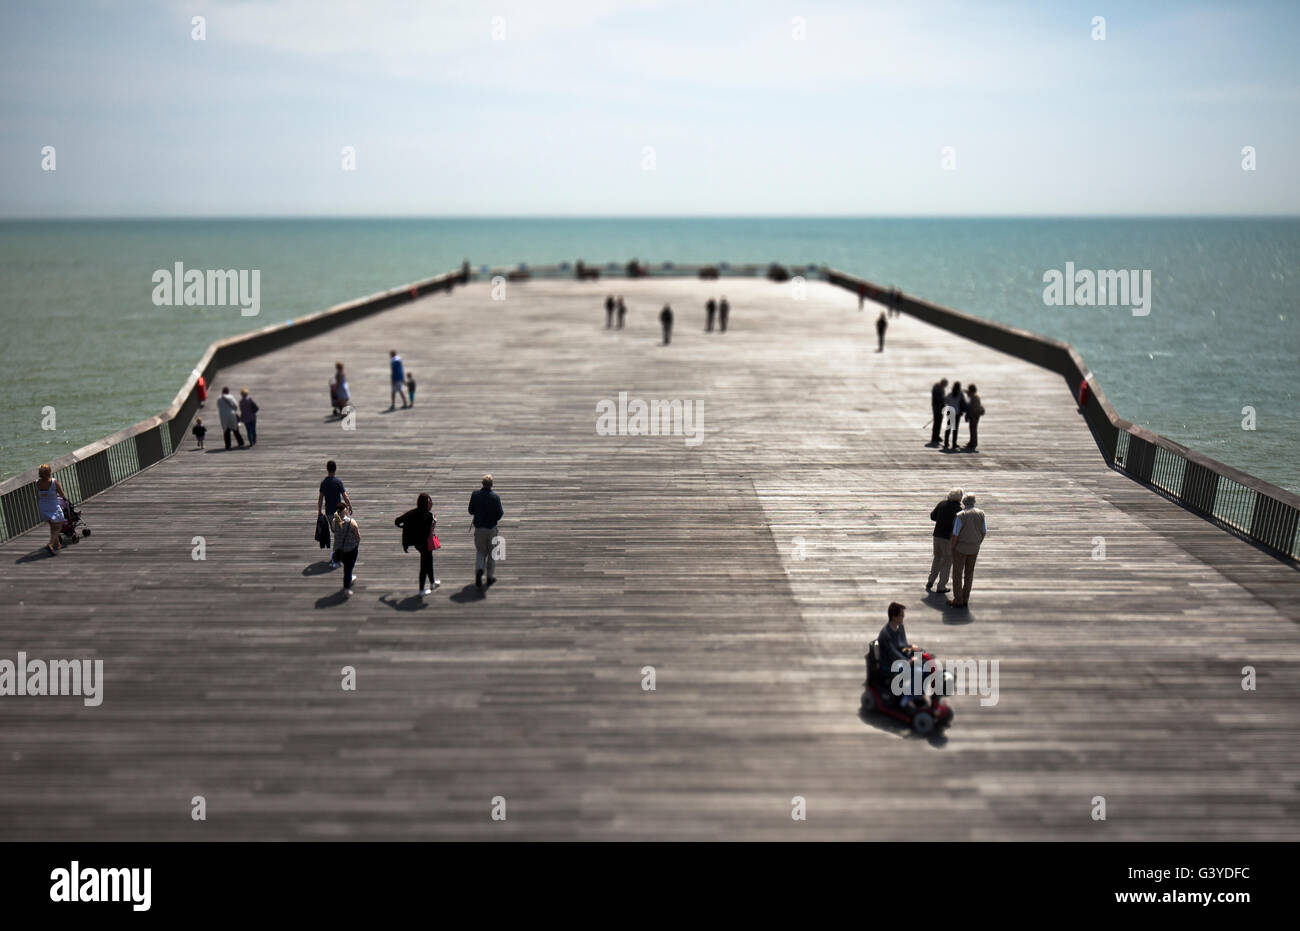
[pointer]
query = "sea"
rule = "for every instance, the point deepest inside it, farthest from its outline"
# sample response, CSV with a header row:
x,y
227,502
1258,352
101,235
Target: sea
x,y
1214,364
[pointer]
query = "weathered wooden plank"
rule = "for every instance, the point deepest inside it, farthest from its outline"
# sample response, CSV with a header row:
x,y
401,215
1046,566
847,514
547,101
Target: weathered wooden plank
x,y
1119,677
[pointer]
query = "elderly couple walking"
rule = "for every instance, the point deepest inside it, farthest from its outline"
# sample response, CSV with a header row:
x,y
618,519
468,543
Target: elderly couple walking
x,y
959,529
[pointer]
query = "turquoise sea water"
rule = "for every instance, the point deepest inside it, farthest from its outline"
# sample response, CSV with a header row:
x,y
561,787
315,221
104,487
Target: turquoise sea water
x,y
81,334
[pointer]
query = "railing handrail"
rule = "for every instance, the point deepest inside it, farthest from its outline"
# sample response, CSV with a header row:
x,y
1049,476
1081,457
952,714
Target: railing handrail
x,y
1274,521
104,463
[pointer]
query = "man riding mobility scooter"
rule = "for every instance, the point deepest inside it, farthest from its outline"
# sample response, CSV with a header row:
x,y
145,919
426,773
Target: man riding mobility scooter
x,y
923,713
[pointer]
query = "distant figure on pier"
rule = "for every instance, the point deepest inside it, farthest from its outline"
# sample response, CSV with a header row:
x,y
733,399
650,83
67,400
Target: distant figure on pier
x,y
398,374
974,411
710,310
969,529
944,513
248,415
622,311
485,508
724,311
938,392
895,298
199,432
417,530
666,321
609,312
954,407
228,408
410,386
881,325
327,500
347,542
49,495
339,394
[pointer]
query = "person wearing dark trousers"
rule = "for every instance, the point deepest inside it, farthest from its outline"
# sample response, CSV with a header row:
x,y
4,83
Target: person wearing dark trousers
x,y
974,411
954,406
622,312
937,392
228,409
666,321
328,498
485,508
710,309
944,513
881,325
347,540
609,312
248,414
724,311
417,530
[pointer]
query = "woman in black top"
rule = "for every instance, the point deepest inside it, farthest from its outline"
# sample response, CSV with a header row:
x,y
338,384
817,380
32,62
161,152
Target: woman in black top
x,y
417,525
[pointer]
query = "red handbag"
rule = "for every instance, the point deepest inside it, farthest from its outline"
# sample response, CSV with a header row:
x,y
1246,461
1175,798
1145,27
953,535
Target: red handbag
x,y
433,543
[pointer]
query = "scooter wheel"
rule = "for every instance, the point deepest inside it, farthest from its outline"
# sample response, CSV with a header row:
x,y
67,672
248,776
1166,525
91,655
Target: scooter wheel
x,y
923,723
868,700
85,532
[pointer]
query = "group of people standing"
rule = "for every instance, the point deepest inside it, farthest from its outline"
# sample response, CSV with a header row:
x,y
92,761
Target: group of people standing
x,y
959,531
614,306
401,385
713,310
948,408
337,528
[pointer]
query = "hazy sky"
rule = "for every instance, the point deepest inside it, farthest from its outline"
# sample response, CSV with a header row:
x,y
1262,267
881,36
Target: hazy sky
x,y
555,118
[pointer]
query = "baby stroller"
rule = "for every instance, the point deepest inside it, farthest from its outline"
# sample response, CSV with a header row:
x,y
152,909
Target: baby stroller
x,y
71,521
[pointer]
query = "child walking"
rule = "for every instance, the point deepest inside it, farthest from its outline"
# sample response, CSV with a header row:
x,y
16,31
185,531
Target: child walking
x,y
199,431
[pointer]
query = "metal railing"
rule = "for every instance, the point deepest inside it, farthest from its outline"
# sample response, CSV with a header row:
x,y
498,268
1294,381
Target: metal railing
x,y
1254,509
1249,507
102,464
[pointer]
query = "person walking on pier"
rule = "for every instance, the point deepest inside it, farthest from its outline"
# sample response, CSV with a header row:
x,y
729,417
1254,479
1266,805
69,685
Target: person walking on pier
x,y
347,542
938,391
969,528
49,504
943,515
710,309
622,311
724,311
327,500
881,325
666,321
228,409
485,508
248,415
199,432
398,374
954,407
417,530
410,386
609,312
339,394
974,411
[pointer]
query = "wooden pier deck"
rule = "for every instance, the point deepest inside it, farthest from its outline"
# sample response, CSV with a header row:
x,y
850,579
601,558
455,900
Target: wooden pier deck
x,y
1119,677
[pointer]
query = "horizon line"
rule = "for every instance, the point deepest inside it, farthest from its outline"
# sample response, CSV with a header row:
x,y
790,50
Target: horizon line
x,y
654,216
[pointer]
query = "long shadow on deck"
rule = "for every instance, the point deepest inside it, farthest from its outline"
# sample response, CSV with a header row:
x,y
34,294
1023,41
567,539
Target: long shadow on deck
x,y
413,603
